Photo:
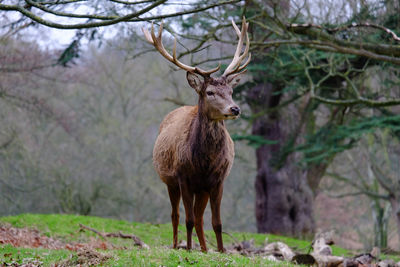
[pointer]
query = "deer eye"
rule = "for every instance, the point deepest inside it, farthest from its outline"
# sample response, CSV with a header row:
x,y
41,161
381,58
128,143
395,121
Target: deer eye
x,y
210,93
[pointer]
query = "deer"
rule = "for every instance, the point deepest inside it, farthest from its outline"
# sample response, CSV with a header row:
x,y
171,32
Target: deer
x,y
194,153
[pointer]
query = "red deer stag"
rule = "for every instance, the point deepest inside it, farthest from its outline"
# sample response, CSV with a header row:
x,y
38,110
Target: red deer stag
x,y
193,153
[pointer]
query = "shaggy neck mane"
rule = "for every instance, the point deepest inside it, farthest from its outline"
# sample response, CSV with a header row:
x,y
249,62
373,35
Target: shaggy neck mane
x,y
207,137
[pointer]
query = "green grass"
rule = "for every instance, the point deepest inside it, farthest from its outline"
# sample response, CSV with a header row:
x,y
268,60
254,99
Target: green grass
x,y
158,237
11,254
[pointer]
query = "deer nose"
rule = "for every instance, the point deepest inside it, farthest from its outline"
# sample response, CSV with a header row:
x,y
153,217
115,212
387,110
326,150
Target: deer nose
x,y
235,110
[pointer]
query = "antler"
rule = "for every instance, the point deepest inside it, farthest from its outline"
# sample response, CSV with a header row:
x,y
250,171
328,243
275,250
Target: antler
x,y
157,42
235,67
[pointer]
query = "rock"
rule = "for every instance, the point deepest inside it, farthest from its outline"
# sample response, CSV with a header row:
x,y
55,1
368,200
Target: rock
x,y
364,259
279,249
328,260
386,263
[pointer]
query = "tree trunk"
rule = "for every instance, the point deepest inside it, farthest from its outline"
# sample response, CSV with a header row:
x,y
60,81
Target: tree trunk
x,y
395,203
381,216
284,197
284,201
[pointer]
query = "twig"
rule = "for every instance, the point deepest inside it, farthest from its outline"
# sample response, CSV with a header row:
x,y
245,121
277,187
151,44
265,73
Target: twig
x,y
177,102
209,242
137,241
231,236
91,229
6,143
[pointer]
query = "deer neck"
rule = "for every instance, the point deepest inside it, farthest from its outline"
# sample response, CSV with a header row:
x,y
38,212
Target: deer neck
x,y
207,136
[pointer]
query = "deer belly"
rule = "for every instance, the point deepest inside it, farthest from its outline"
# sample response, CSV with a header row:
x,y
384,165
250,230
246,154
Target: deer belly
x,y
204,179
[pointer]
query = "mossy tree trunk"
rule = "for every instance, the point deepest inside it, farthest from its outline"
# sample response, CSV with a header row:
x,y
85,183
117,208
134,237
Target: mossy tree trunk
x,y
285,193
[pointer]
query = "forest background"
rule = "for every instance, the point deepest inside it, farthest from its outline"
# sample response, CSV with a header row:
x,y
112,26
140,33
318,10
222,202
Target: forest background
x,y
317,145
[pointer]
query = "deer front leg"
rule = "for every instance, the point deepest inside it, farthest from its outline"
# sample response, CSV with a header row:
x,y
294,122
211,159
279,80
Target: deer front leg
x,y
215,203
187,198
175,196
199,207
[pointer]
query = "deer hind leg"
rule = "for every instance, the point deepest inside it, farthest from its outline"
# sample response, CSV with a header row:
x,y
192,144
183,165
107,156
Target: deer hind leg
x,y
187,198
215,203
175,197
200,204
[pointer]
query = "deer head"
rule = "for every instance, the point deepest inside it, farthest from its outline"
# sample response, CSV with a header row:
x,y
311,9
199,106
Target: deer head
x,y
215,94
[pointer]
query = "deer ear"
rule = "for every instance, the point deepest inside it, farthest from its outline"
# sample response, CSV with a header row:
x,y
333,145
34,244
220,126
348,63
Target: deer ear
x,y
194,81
233,80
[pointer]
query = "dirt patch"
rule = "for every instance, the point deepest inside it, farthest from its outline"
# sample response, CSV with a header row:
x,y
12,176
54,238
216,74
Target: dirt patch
x,y
31,238
86,254
27,238
85,257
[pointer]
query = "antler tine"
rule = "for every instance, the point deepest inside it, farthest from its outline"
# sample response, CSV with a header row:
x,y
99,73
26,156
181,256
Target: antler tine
x,y
159,30
147,35
156,41
236,28
234,66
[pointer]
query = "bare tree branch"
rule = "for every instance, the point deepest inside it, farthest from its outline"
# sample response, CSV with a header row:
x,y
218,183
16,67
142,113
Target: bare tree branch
x,y
62,2
175,101
345,27
381,177
48,23
361,190
131,3
333,47
6,143
106,20
323,35
137,241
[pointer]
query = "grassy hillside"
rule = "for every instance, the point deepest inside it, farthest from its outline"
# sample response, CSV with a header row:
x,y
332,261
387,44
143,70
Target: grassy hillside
x,y
65,228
